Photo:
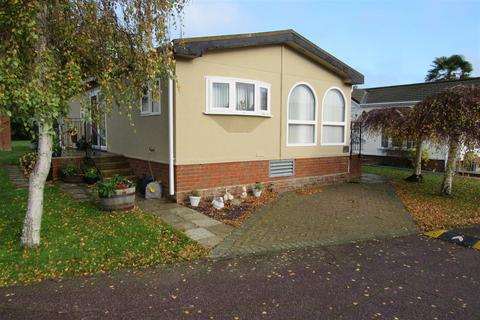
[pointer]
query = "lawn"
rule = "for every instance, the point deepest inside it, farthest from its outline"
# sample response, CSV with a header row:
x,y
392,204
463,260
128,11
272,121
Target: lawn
x,y
430,209
79,239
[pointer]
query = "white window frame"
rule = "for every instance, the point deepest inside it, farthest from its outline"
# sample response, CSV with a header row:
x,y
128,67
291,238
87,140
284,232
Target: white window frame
x,y
334,123
306,122
232,97
150,111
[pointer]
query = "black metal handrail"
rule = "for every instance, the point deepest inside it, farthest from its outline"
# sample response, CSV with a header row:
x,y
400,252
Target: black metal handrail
x,y
356,138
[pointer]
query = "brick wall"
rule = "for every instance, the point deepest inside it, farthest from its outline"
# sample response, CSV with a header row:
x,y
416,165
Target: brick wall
x,y
57,162
5,134
355,166
213,178
159,170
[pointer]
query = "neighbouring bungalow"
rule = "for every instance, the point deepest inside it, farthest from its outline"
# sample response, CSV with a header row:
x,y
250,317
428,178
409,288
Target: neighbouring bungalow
x,y
381,149
264,107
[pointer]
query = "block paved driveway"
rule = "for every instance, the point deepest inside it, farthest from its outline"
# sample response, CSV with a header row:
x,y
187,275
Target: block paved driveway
x,y
338,214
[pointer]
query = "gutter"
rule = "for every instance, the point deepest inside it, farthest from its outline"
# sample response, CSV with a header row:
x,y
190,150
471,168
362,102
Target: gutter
x,y
171,159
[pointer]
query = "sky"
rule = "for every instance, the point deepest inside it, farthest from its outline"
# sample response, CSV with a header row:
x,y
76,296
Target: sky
x,y
390,42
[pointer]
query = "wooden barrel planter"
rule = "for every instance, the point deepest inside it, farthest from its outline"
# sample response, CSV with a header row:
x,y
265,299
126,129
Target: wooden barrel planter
x,y
121,200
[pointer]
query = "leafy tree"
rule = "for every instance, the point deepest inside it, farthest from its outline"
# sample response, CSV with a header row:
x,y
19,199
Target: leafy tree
x,y
53,50
449,68
395,122
451,117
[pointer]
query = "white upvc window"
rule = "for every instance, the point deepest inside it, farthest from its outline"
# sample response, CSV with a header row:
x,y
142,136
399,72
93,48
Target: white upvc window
x,y
234,96
150,101
334,118
302,116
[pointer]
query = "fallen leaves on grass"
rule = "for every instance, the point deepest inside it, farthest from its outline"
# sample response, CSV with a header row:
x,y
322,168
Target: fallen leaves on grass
x,y
428,207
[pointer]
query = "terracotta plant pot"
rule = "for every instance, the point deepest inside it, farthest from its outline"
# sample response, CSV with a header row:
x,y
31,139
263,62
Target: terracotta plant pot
x,y
122,200
73,179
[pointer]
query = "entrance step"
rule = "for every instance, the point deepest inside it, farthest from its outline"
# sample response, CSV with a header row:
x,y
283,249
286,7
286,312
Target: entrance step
x,y
110,165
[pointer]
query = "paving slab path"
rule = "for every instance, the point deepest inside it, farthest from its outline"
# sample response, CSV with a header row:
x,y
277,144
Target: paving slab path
x,y
338,214
197,226
16,176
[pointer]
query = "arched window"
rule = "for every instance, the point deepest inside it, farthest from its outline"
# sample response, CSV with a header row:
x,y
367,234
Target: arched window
x,y
302,115
333,120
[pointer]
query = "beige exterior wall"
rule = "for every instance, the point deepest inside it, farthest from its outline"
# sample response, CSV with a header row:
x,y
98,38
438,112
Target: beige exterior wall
x,y
202,138
148,132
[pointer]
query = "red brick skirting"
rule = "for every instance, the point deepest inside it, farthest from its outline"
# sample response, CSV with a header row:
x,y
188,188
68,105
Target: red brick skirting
x,y
159,170
355,166
212,179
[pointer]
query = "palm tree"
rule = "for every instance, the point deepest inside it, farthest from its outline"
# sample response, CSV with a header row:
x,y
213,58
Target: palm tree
x,y
449,68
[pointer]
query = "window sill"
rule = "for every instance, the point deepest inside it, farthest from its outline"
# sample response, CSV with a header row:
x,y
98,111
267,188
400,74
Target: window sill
x,y
340,144
302,145
150,114
249,114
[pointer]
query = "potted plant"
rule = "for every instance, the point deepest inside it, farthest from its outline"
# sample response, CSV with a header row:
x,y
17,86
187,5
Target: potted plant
x,y
72,131
91,175
194,198
82,143
116,193
70,172
257,189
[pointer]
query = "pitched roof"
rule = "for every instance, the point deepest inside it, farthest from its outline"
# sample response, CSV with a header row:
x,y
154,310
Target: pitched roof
x,y
407,92
195,47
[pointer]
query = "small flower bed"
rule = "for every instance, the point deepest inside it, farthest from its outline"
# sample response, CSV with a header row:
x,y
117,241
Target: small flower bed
x,y
236,211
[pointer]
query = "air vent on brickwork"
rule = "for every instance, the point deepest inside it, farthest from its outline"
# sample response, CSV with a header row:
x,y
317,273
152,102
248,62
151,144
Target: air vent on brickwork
x,y
281,168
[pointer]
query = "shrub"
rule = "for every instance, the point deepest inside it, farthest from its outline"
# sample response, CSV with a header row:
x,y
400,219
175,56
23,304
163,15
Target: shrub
x,y
425,157
27,162
82,143
69,169
91,173
258,186
195,193
470,160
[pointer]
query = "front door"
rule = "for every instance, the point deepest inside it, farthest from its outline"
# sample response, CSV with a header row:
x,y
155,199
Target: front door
x,y
98,127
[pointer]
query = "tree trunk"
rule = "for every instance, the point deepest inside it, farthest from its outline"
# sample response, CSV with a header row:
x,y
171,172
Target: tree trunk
x,y
417,174
418,158
450,169
33,218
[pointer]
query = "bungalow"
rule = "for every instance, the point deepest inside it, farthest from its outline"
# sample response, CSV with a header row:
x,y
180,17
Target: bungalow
x,y
377,148
265,107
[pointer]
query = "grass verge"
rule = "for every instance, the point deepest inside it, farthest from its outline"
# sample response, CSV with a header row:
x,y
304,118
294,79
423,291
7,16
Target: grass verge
x,y
429,208
79,239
